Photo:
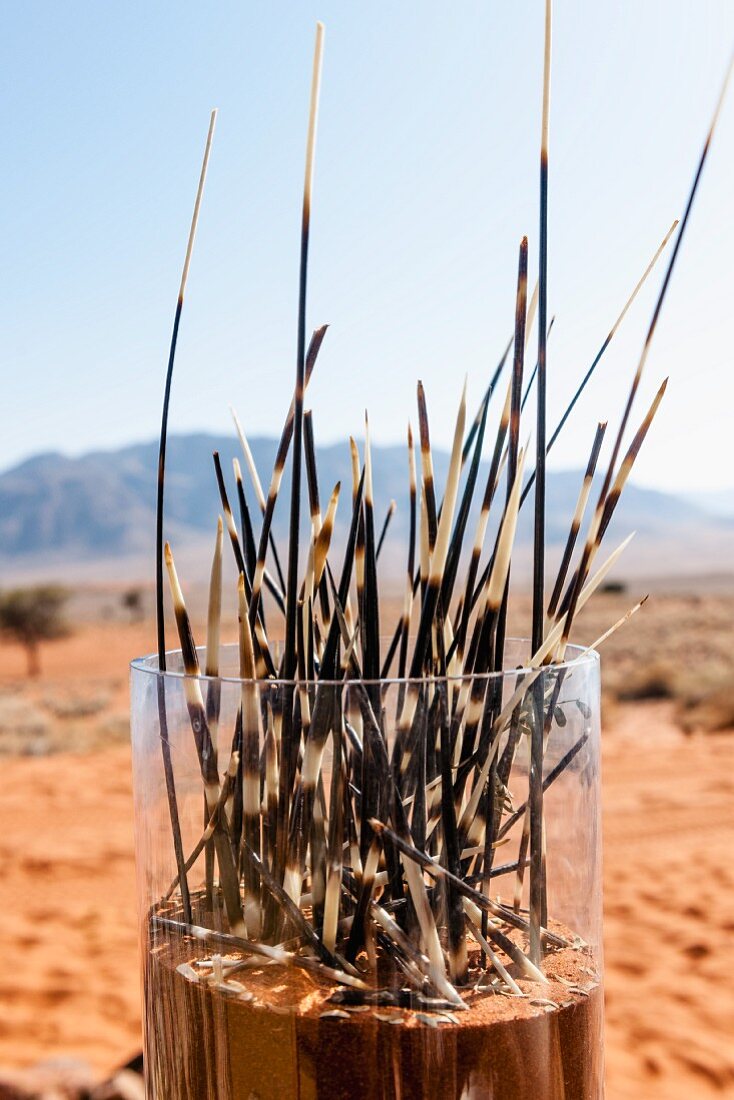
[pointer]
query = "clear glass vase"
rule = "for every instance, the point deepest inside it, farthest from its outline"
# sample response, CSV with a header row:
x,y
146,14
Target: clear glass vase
x,y
392,889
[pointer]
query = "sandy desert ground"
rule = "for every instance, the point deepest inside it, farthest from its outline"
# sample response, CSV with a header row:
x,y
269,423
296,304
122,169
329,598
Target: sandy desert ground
x,y
70,983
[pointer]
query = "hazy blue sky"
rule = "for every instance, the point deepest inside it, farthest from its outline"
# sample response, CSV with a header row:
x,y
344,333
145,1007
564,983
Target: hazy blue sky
x,y
426,178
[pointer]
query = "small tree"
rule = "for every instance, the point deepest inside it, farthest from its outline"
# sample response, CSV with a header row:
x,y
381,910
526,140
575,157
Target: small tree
x,y
132,601
34,615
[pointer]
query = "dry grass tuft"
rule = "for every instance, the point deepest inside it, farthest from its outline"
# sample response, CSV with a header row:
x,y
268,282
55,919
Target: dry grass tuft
x,y
24,728
78,705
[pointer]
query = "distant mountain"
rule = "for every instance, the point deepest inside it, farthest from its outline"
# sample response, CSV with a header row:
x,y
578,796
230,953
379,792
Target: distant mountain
x,y
59,514
719,503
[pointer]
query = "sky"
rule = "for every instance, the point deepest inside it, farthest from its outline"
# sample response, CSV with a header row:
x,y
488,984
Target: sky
x,y
426,180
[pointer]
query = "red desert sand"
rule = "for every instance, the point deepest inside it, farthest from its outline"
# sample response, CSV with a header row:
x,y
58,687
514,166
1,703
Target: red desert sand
x,y
70,983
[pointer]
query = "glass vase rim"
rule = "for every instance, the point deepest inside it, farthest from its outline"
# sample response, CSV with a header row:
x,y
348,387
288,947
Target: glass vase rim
x,y
582,657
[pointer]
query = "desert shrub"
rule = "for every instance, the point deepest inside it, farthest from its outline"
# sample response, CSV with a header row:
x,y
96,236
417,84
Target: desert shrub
x,y
706,700
656,680
613,588
710,715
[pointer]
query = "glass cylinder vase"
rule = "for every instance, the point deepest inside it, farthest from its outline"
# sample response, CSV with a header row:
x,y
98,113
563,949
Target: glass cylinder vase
x,y
370,890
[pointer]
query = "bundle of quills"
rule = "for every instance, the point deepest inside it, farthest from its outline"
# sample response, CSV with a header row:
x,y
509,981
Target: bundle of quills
x,y
369,787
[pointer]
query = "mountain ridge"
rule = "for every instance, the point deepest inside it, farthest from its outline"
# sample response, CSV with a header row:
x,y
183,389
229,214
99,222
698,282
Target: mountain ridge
x,y
100,506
